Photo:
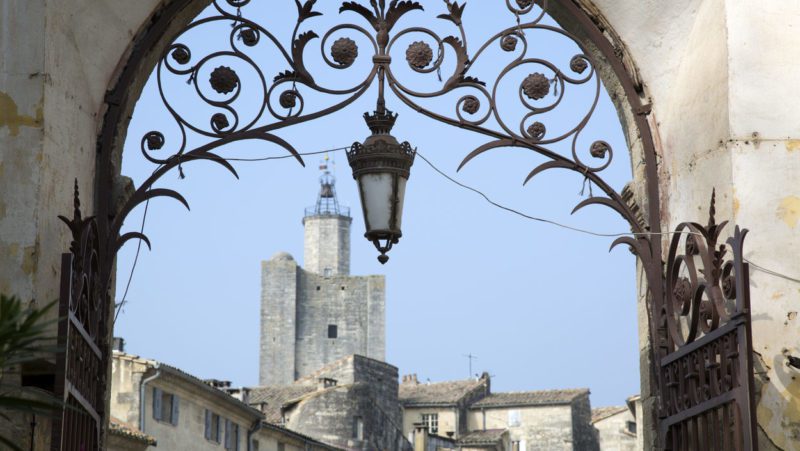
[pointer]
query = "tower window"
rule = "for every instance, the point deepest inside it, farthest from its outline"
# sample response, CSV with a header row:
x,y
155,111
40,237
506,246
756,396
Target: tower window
x,y
358,428
318,287
327,272
342,287
333,331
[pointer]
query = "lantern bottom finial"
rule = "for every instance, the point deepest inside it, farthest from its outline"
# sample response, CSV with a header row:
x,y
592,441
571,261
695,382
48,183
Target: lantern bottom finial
x,y
384,248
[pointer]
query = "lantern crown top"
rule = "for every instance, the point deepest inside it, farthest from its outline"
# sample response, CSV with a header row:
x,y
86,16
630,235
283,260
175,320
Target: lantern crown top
x,y
380,122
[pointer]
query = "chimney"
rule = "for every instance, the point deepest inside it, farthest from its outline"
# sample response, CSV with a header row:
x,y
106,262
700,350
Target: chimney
x,y
420,437
410,379
119,344
326,382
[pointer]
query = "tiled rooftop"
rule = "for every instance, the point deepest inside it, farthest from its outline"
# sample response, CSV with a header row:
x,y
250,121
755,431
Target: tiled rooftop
x,y
487,437
122,429
602,413
275,397
531,398
440,393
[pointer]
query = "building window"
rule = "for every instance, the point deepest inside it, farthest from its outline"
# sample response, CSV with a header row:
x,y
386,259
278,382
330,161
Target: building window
x,y
318,287
213,429
333,331
165,406
231,436
631,426
431,421
514,418
327,272
358,428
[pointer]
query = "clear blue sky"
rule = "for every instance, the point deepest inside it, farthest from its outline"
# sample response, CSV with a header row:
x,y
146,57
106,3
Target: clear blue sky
x,y
541,307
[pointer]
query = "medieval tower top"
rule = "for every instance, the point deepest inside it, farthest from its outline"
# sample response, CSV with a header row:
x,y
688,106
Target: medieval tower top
x,y
327,230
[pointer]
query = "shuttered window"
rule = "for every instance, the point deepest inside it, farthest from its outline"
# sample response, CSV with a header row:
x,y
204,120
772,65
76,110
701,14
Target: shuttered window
x,y
166,406
213,427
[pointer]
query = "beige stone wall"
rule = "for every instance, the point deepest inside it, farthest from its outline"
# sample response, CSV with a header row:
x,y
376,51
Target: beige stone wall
x,y
542,428
613,433
448,419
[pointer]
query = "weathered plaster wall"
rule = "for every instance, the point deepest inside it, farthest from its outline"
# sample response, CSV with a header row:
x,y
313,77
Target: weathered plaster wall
x,y
719,75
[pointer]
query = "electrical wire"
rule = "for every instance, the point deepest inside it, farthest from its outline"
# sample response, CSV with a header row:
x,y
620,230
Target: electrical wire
x,y
771,272
456,182
546,221
589,232
147,205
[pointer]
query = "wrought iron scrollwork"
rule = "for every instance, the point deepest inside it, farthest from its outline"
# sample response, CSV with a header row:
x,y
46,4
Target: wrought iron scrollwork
x,y
705,358
280,101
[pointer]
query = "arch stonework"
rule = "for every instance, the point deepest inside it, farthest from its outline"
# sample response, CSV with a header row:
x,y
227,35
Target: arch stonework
x,y
714,72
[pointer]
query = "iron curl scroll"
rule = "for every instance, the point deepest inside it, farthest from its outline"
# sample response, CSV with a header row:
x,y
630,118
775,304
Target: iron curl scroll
x,y
222,77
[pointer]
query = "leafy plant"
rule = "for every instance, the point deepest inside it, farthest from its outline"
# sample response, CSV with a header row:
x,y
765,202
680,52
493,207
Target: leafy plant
x,y
24,337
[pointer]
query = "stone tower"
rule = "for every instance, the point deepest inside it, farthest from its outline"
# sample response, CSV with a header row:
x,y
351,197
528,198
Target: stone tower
x,y
316,315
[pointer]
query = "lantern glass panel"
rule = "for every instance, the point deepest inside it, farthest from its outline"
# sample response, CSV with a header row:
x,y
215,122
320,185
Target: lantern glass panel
x,y
377,197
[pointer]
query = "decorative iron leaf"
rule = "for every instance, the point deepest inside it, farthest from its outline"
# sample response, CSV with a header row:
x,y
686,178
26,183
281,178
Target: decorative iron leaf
x,y
455,12
285,75
547,166
398,9
461,61
362,10
484,148
470,79
305,11
297,54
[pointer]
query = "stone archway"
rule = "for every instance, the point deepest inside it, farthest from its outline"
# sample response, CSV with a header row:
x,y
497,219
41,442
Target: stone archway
x,y
619,78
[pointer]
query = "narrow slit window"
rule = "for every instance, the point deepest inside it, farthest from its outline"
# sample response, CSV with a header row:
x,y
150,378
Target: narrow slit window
x,y
333,331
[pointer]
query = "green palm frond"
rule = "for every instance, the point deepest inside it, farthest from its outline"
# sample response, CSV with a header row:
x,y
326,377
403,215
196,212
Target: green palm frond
x,y
25,336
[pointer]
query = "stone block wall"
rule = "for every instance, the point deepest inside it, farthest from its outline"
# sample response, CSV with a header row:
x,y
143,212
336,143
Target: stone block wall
x,y
366,391
278,320
327,244
583,433
354,305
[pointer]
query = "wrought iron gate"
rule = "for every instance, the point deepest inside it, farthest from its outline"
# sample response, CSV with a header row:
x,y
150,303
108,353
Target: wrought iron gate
x,y
82,334
705,358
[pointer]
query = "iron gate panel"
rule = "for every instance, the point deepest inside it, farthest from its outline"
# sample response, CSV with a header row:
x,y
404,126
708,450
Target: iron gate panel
x,y
82,334
705,364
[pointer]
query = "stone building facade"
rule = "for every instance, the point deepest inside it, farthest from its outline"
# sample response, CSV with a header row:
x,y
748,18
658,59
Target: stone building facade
x,y
318,314
472,417
351,403
157,406
615,427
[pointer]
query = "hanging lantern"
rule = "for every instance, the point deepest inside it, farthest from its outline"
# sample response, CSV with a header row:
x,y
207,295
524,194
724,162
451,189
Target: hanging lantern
x,y
381,167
